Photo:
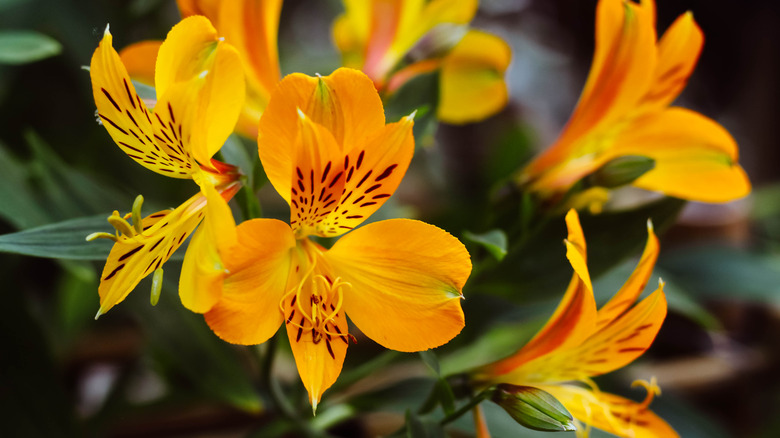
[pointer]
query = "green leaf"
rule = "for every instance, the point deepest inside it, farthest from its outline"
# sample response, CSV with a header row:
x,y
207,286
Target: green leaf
x,y
533,408
494,241
429,358
63,240
24,46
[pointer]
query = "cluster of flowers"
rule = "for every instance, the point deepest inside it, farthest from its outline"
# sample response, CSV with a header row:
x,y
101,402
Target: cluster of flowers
x,y
329,153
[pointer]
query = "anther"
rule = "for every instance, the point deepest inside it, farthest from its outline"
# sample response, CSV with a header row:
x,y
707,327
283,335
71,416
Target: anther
x,y
136,214
156,286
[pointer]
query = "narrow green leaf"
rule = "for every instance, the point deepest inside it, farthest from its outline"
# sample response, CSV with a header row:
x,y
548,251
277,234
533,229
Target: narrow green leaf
x,y
18,203
63,240
24,46
494,241
429,358
417,427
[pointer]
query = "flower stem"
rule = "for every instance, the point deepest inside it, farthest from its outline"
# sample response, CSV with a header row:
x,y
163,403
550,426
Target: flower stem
x,y
272,384
468,406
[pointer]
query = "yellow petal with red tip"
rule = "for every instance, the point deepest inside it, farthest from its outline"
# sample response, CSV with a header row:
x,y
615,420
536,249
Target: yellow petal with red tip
x,y
357,116
678,52
212,98
248,310
611,413
202,273
405,282
472,82
633,287
695,157
134,257
139,60
134,128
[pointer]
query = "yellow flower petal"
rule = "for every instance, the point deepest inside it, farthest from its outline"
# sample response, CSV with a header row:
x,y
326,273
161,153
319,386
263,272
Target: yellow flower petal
x,y
472,85
134,257
576,249
134,127
678,52
192,54
611,413
208,8
406,279
202,273
248,310
614,346
315,321
633,287
695,158
139,60
358,116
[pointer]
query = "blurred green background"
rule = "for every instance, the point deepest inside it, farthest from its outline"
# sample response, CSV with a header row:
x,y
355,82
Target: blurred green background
x,y
143,372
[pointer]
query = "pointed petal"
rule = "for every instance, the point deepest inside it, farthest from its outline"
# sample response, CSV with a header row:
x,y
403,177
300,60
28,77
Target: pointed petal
x,y
200,75
139,60
611,413
678,52
316,323
125,116
472,82
351,30
695,157
133,258
248,310
613,347
576,249
406,279
352,101
202,273
633,287
622,70
251,26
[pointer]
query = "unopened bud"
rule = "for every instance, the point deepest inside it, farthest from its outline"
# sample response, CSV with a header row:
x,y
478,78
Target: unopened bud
x,y
621,171
533,408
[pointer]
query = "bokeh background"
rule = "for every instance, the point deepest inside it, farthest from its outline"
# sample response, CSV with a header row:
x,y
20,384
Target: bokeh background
x,y
142,371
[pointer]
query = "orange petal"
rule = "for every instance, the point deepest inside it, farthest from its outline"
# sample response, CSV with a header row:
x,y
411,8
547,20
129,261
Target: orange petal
x,y
134,128
209,8
472,85
576,249
633,287
134,257
202,273
611,413
201,76
622,71
572,322
614,346
248,310
405,281
695,157
678,52
139,60
357,109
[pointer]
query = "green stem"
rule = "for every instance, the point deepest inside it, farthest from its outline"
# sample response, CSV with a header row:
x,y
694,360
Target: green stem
x,y
272,384
482,396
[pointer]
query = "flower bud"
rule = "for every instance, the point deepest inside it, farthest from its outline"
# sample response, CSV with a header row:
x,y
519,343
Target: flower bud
x,y
533,408
621,171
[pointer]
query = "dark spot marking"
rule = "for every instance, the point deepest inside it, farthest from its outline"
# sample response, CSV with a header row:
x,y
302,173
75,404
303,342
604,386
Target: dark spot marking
x,y
117,269
130,147
330,349
386,173
112,123
113,102
335,179
325,173
155,245
366,204
372,188
364,179
383,195
360,159
129,95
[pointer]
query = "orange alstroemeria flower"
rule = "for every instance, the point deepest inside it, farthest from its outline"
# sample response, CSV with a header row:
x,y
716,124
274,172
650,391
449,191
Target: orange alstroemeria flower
x,y
327,151
251,26
624,111
378,36
579,342
200,88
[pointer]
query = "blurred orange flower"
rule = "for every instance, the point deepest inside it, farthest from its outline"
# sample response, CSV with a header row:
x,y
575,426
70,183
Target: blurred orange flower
x,y
624,112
